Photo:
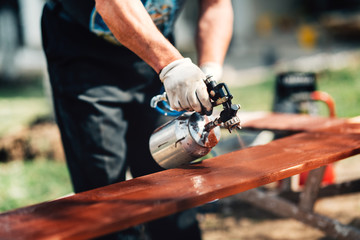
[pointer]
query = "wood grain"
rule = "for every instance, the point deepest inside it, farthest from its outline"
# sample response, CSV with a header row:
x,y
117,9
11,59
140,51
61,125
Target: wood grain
x,y
290,122
119,206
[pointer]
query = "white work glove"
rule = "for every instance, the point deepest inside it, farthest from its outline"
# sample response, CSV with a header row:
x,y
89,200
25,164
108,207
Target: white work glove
x,y
212,69
185,87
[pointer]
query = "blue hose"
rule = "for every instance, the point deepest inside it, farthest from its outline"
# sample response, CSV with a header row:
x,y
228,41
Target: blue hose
x,y
165,110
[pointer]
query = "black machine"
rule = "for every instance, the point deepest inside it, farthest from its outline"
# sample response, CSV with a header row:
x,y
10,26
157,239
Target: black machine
x,y
293,93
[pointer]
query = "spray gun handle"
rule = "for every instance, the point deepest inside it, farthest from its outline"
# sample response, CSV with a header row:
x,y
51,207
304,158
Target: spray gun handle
x,y
218,93
166,110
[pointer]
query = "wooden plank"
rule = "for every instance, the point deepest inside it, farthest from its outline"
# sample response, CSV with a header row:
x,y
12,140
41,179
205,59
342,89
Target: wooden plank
x,y
350,126
119,206
289,122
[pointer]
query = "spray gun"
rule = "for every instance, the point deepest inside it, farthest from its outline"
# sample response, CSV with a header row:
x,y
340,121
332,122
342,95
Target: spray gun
x,y
220,94
192,135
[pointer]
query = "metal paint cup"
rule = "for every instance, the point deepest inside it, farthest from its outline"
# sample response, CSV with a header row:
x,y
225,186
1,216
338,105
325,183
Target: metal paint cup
x,y
183,140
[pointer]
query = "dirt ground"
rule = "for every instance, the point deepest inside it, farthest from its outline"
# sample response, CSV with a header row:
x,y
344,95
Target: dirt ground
x,y
246,222
41,140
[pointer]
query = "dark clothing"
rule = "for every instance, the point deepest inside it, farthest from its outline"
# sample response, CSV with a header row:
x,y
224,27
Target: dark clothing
x,y
80,10
101,95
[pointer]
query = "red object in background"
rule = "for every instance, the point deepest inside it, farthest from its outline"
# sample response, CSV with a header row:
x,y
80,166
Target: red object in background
x,y
329,174
327,99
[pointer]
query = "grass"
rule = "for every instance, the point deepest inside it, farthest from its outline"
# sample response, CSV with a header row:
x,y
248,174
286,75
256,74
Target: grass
x,y
257,97
27,182
342,85
21,104
24,183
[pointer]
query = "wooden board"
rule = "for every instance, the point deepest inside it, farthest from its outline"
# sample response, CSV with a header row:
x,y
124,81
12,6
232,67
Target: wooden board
x,y
119,206
288,122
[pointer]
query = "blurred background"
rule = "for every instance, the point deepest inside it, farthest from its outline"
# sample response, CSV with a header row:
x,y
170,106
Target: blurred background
x,y
270,37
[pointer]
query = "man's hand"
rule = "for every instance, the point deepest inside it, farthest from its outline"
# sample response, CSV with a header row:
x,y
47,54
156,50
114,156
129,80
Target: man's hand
x,y
185,87
213,69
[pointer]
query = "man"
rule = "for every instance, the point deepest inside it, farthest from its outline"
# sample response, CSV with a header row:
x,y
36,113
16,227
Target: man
x,y
105,59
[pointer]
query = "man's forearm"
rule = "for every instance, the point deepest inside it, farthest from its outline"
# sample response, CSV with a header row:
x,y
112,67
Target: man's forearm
x,y
130,23
214,30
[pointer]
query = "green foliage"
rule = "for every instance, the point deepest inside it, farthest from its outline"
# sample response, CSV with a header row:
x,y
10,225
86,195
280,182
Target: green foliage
x,y
258,97
344,87
24,183
21,103
31,88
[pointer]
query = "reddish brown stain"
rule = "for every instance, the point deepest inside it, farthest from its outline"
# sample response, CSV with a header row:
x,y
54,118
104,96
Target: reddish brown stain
x,y
291,122
212,140
119,206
